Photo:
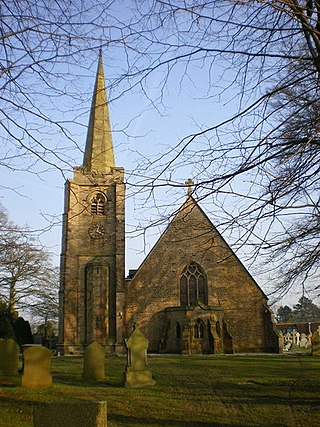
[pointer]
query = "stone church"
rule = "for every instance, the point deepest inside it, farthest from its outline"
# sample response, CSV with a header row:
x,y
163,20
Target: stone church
x,y
190,295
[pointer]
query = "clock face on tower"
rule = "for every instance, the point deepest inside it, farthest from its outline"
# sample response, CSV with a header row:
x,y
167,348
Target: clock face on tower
x,y
96,231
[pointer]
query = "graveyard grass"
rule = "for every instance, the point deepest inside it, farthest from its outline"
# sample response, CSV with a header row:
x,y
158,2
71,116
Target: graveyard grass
x,y
202,391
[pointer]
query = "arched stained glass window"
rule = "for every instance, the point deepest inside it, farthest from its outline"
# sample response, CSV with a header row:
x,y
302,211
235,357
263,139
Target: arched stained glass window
x,y
193,286
98,204
183,291
192,290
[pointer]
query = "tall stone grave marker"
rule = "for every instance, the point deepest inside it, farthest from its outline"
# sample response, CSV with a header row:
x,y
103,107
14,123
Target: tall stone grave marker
x,y
9,357
94,360
303,340
137,373
281,342
295,340
36,368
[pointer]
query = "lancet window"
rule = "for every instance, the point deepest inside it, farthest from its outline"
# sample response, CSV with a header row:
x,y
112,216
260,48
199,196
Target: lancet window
x,y
198,331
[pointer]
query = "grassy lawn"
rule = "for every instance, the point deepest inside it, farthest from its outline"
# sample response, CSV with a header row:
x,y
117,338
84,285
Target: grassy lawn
x,y
190,391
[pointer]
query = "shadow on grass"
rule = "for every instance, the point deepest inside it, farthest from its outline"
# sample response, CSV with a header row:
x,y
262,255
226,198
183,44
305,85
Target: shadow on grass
x,y
8,385
78,381
127,420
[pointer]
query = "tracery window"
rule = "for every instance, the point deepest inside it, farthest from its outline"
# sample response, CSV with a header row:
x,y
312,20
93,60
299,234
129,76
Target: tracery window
x,y
98,204
198,331
193,285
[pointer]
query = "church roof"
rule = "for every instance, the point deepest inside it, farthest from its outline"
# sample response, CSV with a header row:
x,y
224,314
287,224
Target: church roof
x,y
191,216
98,156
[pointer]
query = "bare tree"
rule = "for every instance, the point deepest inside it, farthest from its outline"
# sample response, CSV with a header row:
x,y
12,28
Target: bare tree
x,y
260,164
258,56
27,281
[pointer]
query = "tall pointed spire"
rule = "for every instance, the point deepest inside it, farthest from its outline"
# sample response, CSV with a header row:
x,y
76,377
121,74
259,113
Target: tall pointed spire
x,y
98,154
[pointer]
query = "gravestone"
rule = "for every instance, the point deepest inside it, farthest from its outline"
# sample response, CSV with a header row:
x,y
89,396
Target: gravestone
x,y
9,357
288,340
36,367
303,340
70,414
94,360
315,344
294,340
137,373
287,346
281,342
309,340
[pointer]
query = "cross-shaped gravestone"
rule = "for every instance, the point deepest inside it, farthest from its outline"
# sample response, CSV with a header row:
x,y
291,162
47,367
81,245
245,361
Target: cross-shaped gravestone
x,y
137,373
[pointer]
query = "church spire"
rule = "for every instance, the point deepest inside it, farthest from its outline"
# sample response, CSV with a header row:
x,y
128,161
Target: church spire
x,y
98,155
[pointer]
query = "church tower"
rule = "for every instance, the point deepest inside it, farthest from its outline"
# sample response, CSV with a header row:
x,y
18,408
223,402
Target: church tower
x,y
92,258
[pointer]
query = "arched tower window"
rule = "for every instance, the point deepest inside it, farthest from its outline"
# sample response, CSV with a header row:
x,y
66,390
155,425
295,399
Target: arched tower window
x,y
98,204
193,285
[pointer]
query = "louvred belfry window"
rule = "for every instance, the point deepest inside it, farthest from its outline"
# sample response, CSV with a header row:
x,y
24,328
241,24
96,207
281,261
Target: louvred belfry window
x,y
98,205
193,286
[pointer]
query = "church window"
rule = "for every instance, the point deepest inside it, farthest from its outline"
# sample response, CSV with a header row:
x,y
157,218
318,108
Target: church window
x,y
198,330
183,291
98,204
193,286
192,290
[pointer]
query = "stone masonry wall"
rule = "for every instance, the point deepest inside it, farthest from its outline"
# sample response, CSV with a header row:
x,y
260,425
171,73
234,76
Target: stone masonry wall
x,y
192,237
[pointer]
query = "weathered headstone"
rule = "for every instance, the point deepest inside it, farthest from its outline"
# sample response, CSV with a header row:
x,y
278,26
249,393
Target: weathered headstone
x,y
315,344
288,340
309,340
303,340
287,346
94,361
71,414
9,357
281,342
294,341
137,373
36,368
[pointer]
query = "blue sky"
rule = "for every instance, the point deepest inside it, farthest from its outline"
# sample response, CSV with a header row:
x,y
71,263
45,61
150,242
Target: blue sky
x,y
203,94
37,200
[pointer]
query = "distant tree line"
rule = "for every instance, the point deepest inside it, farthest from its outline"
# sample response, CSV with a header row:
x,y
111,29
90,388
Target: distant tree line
x,y
304,311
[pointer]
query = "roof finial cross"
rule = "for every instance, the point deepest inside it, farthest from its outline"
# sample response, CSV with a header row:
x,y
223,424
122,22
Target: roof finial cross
x,y
189,183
